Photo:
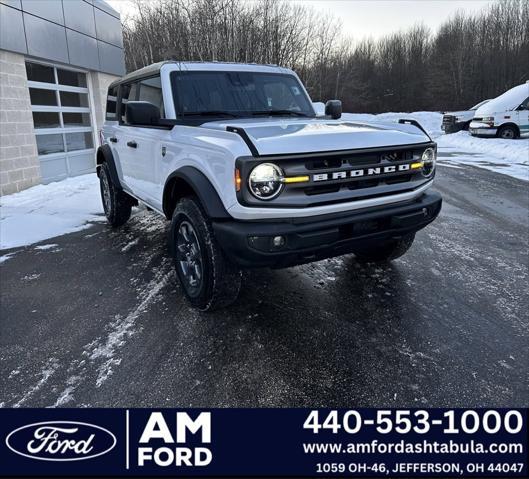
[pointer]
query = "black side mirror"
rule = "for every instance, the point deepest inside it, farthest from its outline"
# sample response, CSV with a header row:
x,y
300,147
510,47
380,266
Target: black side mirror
x,y
142,113
333,108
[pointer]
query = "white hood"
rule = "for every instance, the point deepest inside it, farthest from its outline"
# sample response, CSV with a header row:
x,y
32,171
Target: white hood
x,y
508,101
272,136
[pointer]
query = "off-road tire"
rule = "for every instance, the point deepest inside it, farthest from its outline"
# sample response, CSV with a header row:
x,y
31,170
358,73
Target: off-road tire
x,y
508,132
220,280
386,252
116,204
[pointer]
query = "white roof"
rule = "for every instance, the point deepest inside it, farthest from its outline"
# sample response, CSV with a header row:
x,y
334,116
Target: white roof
x,y
203,66
509,100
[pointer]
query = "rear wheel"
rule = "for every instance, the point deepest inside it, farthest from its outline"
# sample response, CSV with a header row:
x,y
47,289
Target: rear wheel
x,y
116,203
208,279
508,132
385,252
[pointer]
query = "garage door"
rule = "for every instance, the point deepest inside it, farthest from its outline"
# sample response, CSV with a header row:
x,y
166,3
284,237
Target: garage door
x,y
63,122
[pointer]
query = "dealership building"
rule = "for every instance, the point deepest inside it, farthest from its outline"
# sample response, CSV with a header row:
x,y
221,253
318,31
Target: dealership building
x,y
57,58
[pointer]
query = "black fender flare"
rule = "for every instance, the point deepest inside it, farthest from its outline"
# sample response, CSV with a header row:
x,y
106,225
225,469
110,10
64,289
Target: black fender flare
x,y
201,187
104,154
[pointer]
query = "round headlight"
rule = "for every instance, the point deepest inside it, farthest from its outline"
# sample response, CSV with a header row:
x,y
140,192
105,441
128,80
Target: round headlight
x,y
265,181
428,161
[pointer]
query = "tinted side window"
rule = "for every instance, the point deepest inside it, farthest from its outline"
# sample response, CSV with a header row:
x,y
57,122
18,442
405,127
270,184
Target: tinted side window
x,y
151,91
112,103
525,104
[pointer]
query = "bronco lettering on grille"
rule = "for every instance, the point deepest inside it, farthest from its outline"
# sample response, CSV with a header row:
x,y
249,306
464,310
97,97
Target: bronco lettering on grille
x,y
379,170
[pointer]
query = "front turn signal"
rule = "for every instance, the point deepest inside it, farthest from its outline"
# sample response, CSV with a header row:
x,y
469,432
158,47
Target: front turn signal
x,y
238,180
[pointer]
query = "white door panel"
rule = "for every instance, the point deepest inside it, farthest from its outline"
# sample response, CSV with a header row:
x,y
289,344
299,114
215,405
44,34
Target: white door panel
x,y
122,154
142,162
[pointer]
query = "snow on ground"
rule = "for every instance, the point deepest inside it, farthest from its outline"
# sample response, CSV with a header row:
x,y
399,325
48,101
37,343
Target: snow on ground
x,y
509,157
47,211
45,247
430,120
5,257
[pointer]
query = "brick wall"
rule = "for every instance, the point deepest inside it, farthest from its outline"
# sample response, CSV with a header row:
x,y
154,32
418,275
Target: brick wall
x,y
19,164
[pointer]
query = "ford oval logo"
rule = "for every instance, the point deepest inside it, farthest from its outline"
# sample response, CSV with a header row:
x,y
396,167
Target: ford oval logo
x,y
61,441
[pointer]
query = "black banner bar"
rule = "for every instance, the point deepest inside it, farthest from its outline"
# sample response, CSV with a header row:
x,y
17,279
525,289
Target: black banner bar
x,y
264,442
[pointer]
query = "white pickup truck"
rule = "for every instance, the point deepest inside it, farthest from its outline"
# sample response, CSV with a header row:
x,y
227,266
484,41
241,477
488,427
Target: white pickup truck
x,y
455,121
234,156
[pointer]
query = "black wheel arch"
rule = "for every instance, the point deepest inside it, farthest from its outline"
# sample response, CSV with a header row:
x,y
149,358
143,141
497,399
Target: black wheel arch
x,y
188,181
104,154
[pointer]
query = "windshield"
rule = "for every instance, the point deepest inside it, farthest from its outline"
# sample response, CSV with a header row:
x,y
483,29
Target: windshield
x,y
237,94
475,107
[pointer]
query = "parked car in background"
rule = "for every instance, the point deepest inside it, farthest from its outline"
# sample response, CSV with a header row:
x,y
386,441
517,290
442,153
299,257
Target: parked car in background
x,y
506,116
455,121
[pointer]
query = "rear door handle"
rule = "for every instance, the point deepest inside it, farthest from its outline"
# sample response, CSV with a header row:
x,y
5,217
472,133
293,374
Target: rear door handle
x,y
113,139
132,144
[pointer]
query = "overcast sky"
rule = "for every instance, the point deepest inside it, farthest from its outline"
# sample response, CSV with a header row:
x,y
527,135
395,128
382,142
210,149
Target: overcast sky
x,y
375,18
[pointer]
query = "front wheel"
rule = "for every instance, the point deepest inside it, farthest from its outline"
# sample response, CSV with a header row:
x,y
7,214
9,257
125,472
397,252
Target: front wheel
x,y
387,251
208,279
508,132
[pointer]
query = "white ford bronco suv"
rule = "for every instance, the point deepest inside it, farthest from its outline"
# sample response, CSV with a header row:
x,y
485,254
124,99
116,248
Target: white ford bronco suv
x,y
235,157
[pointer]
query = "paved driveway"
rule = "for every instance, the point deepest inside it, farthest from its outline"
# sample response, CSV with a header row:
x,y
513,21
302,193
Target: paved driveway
x,y
98,319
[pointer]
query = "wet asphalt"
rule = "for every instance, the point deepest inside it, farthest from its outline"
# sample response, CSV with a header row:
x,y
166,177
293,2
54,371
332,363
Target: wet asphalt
x,y
98,319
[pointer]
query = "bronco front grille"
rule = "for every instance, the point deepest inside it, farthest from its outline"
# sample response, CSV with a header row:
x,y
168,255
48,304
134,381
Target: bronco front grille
x,y
351,161
332,176
325,163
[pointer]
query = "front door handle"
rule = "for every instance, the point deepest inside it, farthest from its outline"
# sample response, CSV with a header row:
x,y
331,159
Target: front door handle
x,y
132,144
113,139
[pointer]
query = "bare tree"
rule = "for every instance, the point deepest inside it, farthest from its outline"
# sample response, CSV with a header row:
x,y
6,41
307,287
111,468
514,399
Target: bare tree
x,y
469,58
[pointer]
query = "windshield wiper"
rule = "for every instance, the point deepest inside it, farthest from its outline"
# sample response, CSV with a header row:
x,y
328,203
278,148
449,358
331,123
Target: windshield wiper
x,y
279,112
209,113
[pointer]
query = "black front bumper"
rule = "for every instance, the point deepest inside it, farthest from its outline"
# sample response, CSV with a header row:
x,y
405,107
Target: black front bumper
x,y
453,127
249,243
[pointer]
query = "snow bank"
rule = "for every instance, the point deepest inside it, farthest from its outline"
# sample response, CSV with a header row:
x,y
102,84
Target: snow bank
x,y
513,150
319,108
510,157
430,120
46,211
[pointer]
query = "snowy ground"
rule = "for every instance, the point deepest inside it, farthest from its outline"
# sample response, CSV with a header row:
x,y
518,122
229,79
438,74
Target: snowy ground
x,y
48,211
509,157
